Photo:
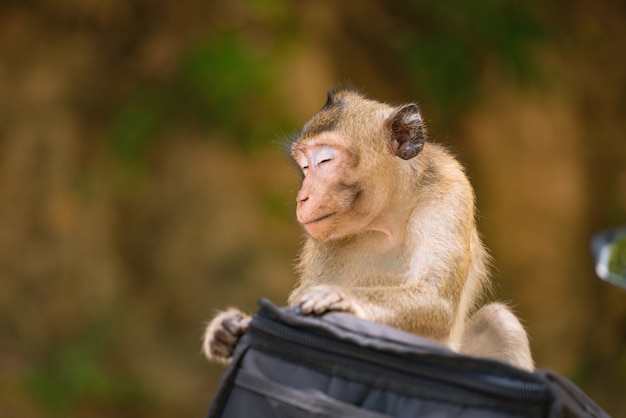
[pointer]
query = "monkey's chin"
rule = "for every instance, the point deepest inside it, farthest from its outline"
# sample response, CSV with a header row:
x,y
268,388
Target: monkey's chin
x,y
319,234
319,228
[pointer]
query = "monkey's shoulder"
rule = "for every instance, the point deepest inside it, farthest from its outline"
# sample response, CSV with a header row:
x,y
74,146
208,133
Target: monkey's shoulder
x,y
438,169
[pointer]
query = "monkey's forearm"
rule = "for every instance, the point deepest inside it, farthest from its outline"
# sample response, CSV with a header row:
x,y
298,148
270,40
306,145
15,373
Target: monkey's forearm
x,y
410,308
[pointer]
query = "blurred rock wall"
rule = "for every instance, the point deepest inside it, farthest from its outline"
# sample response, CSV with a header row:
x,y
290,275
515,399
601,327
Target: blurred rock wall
x,y
143,183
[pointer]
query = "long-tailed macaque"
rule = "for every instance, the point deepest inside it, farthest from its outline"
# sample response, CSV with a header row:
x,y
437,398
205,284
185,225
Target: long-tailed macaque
x,y
391,234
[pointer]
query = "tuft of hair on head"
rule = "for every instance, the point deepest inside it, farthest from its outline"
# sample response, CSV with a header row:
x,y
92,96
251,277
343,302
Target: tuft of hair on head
x,y
334,95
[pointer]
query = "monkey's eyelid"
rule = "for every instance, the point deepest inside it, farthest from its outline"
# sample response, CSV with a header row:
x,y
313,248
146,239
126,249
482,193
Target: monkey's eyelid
x,y
323,155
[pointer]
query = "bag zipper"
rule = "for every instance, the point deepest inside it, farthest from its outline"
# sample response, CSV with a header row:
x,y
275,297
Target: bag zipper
x,y
516,390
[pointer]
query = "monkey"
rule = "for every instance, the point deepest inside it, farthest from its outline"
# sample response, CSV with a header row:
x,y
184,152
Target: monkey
x,y
391,232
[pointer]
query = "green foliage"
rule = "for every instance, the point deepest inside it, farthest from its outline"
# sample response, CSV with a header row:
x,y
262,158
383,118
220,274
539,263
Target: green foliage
x,y
136,125
223,86
76,374
224,81
444,69
447,46
221,78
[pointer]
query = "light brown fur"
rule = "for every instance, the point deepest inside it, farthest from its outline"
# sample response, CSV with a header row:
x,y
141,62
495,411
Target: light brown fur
x,y
392,233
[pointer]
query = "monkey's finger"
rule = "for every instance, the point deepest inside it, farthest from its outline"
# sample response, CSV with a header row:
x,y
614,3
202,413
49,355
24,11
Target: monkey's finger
x,y
308,300
242,323
236,324
325,303
221,351
322,307
331,297
341,306
315,305
306,307
317,299
225,336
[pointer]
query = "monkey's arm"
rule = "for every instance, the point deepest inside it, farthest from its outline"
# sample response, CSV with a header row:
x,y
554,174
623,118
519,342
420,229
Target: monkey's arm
x,y
418,307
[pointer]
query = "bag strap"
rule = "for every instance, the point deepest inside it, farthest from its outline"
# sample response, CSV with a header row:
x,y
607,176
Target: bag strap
x,y
570,401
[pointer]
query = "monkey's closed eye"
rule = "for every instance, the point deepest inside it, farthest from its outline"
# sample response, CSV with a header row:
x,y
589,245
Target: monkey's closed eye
x,y
323,155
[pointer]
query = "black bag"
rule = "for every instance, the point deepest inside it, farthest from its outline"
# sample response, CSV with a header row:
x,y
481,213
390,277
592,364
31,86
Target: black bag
x,y
337,365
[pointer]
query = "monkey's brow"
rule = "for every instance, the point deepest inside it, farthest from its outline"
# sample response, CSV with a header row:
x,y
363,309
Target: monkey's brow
x,y
315,143
323,121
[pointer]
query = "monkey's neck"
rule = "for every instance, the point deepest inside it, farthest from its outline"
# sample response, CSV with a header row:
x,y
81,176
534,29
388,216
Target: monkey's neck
x,y
390,226
390,231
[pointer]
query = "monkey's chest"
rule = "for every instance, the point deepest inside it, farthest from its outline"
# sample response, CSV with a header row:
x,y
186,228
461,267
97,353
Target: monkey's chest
x,y
369,265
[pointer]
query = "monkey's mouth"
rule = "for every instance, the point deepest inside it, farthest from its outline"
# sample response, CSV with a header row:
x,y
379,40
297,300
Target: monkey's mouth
x,y
321,218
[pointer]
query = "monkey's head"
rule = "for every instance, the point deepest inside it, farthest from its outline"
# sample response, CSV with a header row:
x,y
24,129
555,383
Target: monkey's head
x,y
350,154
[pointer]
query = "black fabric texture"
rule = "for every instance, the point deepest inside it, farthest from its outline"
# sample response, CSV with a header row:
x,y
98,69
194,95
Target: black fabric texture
x,y
336,365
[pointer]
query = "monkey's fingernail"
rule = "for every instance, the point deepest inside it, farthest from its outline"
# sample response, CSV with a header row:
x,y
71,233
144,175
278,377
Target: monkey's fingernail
x,y
320,309
306,307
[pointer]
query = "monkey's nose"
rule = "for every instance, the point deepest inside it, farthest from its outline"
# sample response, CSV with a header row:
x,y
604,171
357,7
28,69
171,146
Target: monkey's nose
x,y
302,197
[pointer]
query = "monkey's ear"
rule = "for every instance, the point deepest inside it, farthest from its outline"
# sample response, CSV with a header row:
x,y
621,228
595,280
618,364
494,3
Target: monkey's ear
x,y
407,131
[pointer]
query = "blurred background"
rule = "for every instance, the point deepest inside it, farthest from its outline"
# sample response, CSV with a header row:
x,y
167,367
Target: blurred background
x,y
143,185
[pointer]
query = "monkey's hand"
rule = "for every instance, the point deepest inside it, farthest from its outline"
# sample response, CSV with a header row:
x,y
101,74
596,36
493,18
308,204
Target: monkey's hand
x,y
223,333
326,298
